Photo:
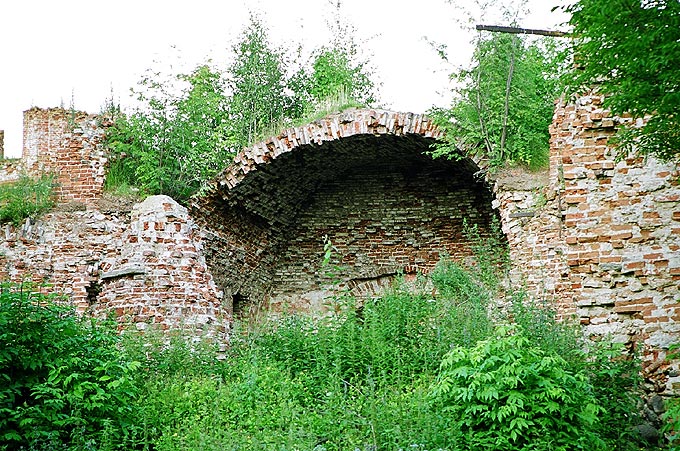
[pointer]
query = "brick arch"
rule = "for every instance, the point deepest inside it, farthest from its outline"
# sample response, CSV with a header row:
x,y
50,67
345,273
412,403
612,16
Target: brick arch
x,y
331,128
365,179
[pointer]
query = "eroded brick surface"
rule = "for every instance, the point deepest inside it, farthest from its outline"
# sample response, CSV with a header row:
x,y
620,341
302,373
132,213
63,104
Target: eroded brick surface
x,y
144,266
607,237
362,179
597,237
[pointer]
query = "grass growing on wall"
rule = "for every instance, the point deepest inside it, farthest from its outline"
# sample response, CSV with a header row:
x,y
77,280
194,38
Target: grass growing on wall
x,y
25,198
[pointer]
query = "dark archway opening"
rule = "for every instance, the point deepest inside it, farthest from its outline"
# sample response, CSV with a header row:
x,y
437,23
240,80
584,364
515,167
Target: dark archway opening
x,y
384,203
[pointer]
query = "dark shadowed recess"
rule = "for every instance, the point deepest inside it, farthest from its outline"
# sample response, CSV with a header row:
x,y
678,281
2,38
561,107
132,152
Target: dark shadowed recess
x,y
385,204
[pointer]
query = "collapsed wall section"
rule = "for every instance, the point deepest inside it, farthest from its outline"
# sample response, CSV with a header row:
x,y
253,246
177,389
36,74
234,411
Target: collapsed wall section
x,y
145,266
158,275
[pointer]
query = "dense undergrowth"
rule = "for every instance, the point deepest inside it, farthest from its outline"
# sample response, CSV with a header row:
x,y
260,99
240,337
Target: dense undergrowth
x,y
406,371
26,197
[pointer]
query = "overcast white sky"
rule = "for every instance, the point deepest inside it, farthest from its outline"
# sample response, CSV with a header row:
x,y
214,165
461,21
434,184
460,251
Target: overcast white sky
x,y
53,50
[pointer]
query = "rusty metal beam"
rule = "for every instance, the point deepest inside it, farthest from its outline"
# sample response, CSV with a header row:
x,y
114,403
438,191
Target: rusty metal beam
x,y
515,30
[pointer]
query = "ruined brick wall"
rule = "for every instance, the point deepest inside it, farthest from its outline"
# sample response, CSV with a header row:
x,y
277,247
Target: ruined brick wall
x,y
67,144
145,266
531,218
361,177
598,237
608,234
382,220
2,144
158,274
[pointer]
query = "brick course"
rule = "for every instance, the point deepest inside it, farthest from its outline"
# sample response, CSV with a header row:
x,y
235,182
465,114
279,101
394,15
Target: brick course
x,y
605,246
597,236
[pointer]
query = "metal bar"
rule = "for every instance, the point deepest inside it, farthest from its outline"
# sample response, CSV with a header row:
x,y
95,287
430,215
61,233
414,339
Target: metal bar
x,y
515,30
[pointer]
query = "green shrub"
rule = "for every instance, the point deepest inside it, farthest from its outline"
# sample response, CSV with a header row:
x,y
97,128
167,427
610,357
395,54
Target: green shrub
x,y
542,328
26,198
505,393
672,424
120,177
361,380
502,104
64,380
614,374
370,377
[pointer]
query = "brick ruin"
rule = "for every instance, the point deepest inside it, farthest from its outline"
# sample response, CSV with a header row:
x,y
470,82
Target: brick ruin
x,y
597,236
143,263
600,239
361,179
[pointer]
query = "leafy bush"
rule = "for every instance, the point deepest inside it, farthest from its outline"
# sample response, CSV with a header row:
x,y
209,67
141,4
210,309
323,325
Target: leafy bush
x,y
363,380
64,380
189,126
613,373
611,45
470,302
505,393
177,141
503,104
391,340
26,198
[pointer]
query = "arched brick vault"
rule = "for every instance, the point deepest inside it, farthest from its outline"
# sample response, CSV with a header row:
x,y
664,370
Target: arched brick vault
x,y
364,179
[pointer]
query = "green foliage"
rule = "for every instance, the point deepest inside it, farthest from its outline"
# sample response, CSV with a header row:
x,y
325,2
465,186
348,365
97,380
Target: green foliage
x,y
176,141
356,380
26,198
671,418
373,378
190,126
491,255
471,301
629,49
64,380
613,374
392,339
333,73
258,85
505,393
339,75
503,104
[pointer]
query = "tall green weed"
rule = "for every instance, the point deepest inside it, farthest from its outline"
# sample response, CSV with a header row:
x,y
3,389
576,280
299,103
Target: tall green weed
x,y
25,198
65,382
505,393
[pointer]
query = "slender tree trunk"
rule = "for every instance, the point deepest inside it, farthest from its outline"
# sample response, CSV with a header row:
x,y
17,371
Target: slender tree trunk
x,y
506,111
480,108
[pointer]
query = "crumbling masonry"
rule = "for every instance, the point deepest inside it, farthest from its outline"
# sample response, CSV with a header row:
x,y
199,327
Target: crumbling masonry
x,y
596,236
